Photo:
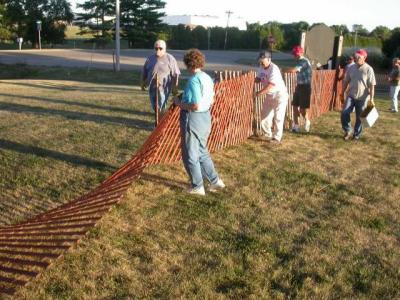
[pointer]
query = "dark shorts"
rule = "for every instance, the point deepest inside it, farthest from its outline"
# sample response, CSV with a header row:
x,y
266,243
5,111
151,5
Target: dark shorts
x,y
302,96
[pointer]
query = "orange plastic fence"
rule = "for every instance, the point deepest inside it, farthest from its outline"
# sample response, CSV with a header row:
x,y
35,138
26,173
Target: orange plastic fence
x,y
382,83
323,96
27,248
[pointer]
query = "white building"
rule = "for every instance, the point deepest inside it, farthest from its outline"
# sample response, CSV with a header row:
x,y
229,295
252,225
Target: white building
x,y
205,21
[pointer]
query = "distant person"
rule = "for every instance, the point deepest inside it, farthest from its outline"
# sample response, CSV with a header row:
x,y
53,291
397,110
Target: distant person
x,y
160,68
195,124
349,61
394,80
359,84
274,107
328,65
302,94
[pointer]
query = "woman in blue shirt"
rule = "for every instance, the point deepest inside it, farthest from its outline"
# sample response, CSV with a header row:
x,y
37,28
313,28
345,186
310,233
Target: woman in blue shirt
x,y
195,124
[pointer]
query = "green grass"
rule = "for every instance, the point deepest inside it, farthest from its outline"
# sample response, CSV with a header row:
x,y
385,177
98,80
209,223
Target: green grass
x,y
97,76
60,137
313,218
73,32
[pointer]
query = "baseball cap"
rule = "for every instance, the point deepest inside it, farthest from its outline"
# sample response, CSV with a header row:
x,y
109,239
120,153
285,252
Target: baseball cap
x,y
264,54
297,50
362,52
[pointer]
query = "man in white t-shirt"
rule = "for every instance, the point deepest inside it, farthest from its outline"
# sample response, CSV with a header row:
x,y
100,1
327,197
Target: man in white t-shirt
x,y
274,107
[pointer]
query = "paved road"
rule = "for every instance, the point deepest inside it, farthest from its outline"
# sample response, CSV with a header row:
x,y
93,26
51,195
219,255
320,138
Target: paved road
x,y
132,59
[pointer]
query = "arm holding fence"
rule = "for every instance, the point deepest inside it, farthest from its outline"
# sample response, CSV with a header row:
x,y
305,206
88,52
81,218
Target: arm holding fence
x,y
265,89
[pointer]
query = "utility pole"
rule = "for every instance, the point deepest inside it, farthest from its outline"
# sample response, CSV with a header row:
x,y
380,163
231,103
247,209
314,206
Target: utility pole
x,y
208,37
226,29
39,28
117,39
355,29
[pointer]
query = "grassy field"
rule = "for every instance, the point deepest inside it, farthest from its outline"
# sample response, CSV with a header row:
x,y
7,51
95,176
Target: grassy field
x,y
60,136
74,32
315,217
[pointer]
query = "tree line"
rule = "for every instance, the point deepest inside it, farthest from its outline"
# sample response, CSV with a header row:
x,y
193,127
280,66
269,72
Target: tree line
x,y
141,24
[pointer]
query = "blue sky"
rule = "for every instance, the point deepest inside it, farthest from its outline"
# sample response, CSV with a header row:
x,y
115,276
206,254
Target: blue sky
x,y
369,13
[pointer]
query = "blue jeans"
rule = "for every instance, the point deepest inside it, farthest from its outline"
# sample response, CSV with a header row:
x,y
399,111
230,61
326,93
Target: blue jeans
x,y
195,129
394,93
345,116
163,94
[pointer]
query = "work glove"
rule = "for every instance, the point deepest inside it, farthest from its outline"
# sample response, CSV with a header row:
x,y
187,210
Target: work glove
x,y
143,85
175,90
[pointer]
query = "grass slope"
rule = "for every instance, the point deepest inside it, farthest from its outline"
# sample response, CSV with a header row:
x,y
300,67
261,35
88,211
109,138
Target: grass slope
x,y
61,138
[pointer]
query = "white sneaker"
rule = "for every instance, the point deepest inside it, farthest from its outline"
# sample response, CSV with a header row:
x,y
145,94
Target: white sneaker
x,y
197,191
219,185
307,126
268,135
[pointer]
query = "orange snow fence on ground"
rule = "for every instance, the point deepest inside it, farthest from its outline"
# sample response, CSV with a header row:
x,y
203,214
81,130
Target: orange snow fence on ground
x,y
27,248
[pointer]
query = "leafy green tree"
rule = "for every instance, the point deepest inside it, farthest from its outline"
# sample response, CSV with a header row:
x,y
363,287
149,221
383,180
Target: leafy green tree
x,y
261,31
381,32
54,14
274,30
360,29
316,24
181,37
292,33
218,37
200,37
234,38
252,36
5,33
391,46
141,21
97,18
340,29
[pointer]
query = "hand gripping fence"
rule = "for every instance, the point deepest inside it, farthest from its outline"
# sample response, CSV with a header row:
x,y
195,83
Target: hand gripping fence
x,y
29,247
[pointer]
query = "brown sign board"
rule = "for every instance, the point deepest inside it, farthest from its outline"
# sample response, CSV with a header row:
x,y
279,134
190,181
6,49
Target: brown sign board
x,y
319,44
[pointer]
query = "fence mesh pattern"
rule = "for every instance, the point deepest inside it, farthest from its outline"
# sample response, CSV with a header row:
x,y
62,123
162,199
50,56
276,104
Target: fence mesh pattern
x,y
323,97
29,247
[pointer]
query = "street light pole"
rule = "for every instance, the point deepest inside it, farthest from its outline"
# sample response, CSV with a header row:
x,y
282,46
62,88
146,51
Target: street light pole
x,y
117,38
208,38
355,28
226,29
271,42
39,28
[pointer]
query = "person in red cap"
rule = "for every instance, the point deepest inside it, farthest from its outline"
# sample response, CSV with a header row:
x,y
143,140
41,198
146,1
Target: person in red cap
x,y
302,93
359,84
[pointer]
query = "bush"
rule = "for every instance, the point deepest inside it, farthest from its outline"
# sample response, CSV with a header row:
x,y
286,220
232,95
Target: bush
x,y
391,46
378,61
362,41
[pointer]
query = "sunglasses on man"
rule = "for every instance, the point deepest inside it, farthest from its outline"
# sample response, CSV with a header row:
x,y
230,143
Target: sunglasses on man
x,y
158,48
